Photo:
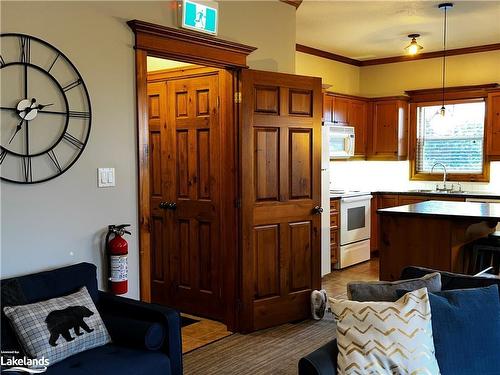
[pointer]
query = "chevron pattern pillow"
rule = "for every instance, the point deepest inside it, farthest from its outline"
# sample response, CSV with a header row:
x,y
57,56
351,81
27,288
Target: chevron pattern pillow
x,y
385,337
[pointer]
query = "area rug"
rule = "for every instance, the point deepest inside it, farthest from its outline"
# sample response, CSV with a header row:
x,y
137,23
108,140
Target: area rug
x,y
272,351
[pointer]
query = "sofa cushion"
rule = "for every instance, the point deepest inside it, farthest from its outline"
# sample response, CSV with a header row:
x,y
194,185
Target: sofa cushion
x,y
135,333
385,337
59,327
466,328
112,359
451,280
362,291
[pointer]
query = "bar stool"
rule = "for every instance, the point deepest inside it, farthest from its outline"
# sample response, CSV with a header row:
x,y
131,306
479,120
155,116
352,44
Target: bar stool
x,y
486,255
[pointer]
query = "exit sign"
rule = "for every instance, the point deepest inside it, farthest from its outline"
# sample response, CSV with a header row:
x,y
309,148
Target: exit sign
x,y
201,16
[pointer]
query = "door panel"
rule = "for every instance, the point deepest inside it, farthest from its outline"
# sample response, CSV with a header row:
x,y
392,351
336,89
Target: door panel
x,y
280,156
185,148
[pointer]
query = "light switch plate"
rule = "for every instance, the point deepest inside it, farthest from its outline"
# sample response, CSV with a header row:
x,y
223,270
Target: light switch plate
x,y
105,177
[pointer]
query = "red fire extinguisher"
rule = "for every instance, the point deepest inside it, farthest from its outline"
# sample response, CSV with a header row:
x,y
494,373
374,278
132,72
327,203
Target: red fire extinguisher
x,y
117,249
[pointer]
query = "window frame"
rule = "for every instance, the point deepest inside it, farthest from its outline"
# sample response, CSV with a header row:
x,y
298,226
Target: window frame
x,y
432,99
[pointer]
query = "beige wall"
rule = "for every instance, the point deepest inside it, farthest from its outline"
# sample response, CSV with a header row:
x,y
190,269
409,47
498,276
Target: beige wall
x,y
344,78
63,221
394,79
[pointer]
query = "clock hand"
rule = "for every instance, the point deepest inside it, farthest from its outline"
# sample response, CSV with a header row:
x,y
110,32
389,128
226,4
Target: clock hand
x,y
18,127
42,106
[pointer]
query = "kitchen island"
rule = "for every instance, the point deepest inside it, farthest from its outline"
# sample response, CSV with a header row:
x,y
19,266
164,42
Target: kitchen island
x,y
432,234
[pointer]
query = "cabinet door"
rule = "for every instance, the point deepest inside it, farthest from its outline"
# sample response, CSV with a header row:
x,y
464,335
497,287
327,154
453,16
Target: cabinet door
x,y
386,201
494,125
385,128
327,108
389,130
357,114
410,199
340,110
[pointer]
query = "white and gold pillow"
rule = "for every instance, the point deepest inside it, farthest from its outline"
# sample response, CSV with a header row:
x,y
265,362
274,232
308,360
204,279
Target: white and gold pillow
x,y
385,337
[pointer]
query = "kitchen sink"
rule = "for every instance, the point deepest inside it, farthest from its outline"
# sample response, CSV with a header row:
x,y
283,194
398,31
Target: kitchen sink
x,y
431,191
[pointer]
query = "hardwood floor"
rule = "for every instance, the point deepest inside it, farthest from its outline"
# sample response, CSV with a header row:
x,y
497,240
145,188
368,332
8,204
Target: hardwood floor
x,y
202,333
335,283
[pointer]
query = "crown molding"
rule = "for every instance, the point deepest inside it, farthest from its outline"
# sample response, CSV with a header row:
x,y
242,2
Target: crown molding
x,y
294,3
396,59
326,55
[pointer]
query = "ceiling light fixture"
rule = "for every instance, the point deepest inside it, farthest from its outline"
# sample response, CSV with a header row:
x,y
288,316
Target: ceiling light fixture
x,y
413,48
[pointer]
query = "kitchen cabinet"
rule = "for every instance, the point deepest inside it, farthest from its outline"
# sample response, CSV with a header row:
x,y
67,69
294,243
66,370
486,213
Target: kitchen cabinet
x,y
388,130
350,111
334,230
392,200
493,126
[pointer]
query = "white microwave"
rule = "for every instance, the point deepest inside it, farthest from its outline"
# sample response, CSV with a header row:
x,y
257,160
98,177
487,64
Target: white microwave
x,y
341,141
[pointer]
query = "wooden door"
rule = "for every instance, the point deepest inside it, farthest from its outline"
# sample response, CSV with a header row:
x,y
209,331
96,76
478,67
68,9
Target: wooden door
x,y
327,108
280,161
385,126
341,111
493,125
357,114
185,194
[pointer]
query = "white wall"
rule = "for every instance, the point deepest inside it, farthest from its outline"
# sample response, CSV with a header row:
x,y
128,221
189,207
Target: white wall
x,y
63,221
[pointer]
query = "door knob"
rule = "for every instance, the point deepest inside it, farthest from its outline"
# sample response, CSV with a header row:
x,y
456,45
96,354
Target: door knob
x,y
317,210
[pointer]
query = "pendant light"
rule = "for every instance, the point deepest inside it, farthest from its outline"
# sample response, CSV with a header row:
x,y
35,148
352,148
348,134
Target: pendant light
x,y
445,7
441,121
413,48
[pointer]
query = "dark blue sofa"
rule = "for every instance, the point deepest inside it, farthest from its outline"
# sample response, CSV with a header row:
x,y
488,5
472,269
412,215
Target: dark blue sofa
x,y
121,356
323,361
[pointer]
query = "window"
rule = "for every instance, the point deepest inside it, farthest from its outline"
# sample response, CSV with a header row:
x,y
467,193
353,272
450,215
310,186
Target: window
x,y
455,140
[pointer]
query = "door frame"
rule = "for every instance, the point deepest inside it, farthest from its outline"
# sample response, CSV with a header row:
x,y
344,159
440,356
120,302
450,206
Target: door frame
x,y
188,46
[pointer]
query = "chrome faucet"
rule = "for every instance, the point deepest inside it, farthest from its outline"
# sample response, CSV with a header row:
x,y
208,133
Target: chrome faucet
x,y
445,188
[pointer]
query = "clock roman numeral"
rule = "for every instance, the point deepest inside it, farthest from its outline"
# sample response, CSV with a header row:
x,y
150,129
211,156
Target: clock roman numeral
x,y
53,158
2,61
27,168
24,42
3,154
78,114
72,85
73,140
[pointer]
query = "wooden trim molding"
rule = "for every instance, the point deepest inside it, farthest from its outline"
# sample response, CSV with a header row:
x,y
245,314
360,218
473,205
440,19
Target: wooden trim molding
x,y
396,59
187,46
451,93
326,55
294,3
190,46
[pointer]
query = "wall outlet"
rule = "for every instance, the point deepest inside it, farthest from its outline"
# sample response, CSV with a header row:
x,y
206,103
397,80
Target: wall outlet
x,y
105,177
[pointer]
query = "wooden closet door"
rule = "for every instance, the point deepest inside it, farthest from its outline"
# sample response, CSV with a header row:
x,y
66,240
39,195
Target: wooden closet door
x,y
186,235
280,155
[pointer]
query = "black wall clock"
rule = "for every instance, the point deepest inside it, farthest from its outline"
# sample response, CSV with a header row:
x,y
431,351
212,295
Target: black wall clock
x,y
45,110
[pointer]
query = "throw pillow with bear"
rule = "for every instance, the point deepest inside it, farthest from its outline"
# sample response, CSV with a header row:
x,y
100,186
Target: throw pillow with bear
x,y
60,327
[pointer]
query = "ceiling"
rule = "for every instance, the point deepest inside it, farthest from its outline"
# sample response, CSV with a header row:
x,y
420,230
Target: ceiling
x,y
366,30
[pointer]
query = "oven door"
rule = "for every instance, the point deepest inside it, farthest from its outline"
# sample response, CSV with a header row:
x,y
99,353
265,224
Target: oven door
x,y
355,219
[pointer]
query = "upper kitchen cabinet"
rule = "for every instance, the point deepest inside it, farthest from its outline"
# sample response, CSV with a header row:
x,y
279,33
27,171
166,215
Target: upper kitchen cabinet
x,y
493,125
347,110
388,133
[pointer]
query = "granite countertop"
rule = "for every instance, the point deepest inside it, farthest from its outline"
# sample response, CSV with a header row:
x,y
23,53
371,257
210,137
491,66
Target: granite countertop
x,y
447,209
466,194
